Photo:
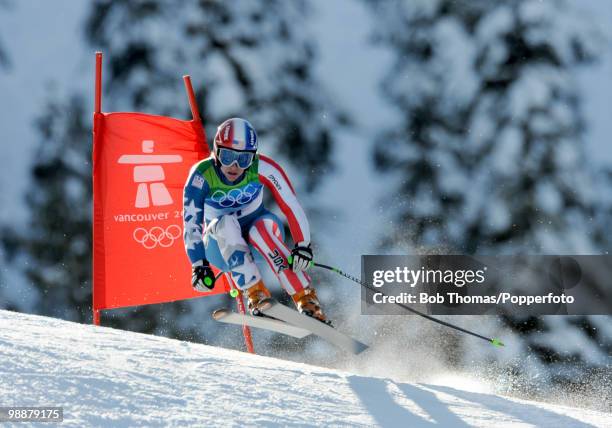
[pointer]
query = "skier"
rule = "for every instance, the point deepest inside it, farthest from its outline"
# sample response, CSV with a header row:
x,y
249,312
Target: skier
x,y
225,219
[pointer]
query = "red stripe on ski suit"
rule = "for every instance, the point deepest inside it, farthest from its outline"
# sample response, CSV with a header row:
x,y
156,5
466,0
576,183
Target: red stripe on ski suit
x,y
288,273
277,166
294,224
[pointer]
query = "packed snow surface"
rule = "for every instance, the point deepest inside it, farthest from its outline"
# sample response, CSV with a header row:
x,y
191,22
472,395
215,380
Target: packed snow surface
x,y
107,377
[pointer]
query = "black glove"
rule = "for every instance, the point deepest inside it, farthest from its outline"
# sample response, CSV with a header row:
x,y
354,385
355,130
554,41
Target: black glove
x,y
301,257
203,278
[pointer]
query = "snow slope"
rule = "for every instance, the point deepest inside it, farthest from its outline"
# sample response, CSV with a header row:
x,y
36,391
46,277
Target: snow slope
x,y
106,377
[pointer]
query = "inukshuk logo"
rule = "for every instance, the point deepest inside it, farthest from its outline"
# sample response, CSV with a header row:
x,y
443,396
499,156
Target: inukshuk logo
x,y
149,175
151,191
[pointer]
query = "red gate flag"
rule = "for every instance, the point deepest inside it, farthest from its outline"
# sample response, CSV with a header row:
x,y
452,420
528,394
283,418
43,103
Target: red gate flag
x,y
140,164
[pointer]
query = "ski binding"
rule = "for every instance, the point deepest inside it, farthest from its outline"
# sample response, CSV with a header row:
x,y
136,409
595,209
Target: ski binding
x,y
272,308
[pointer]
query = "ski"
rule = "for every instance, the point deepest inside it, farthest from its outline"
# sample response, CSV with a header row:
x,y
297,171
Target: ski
x,y
227,316
276,310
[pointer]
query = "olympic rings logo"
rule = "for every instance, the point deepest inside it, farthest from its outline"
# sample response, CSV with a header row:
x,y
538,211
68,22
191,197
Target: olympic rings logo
x,y
235,196
157,236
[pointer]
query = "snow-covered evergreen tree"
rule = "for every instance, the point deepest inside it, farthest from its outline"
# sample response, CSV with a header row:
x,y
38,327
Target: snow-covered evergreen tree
x,y
4,61
55,248
488,145
4,57
250,59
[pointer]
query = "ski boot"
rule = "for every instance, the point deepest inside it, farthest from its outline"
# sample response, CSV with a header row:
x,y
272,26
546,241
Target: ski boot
x,y
307,303
255,294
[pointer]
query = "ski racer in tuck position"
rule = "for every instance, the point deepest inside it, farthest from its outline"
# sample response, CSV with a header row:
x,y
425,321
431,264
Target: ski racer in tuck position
x,y
225,220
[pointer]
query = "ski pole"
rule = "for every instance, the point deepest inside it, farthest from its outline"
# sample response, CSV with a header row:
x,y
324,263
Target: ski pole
x,y
493,341
234,291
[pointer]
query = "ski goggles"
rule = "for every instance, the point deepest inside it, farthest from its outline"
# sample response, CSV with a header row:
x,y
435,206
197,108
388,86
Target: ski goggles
x,y
227,157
